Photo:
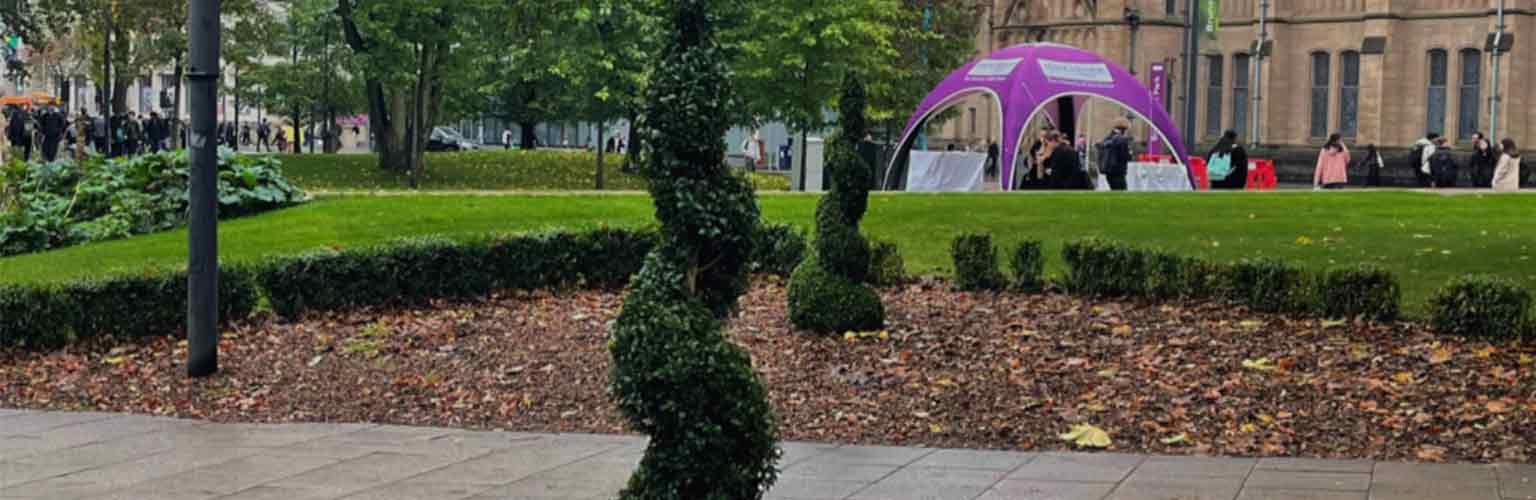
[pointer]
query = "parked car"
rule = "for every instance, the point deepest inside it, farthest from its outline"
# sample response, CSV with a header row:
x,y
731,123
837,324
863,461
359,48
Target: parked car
x,y
447,139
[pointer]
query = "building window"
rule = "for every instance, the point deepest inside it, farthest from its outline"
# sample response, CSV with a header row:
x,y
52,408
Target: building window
x,y
1435,111
1171,7
1349,93
1471,93
1321,75
1240,77
1213,96
973,122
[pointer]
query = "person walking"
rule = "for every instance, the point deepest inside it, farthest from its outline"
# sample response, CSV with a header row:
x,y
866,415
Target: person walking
x,y
263,136
1484,158
134,132
506,139
1506,177
157,132
1372,164
54,125
1332,170
19,131
1115,155
1227,163
1423,149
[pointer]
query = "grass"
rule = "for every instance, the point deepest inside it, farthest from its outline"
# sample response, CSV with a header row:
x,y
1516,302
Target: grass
x,y
1425,239
485,170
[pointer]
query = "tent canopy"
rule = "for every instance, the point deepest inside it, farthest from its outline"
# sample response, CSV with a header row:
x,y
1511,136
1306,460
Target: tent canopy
x,y
1026,79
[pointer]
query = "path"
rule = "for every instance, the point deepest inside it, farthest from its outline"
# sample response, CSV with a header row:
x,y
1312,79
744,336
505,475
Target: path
x,y
51,455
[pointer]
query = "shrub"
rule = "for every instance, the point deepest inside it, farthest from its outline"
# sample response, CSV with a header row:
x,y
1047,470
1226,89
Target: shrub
x,y
433,267
1103,268
1171,276
1027,262
1362,291
328,280
1270,285
777,249
975,262
1481,306
840,305
35,316
531,261
886,267
606,258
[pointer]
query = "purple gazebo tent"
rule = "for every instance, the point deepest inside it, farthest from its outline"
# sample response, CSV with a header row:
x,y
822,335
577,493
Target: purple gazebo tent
x,y
1024,79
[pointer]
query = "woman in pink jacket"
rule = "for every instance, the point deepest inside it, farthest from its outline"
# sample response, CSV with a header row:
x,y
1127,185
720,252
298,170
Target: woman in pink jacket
x,y
1332,165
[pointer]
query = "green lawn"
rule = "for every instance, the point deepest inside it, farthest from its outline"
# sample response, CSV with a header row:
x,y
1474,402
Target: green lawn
x,y
1424,238
486,170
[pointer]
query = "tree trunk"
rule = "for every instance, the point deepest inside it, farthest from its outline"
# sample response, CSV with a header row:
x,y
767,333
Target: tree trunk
x,y
804,140
602,129
381,125
400,111
528,138
632,145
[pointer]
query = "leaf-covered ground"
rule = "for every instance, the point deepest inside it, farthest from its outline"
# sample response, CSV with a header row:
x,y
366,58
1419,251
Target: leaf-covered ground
x,y
953,369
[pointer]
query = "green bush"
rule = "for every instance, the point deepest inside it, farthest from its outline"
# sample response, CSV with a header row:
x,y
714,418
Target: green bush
x,y
840,305
777,249
1171,276
1271,285
886,267
52,205
35,316
1027,262
1481,306
975,262
434,267
1103,268
532,261
1364,291
328,279
607,258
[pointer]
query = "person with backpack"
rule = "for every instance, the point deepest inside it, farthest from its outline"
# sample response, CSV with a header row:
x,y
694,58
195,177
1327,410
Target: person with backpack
x,y
1115,155
1227,163
1332,170
1418,159
1442,166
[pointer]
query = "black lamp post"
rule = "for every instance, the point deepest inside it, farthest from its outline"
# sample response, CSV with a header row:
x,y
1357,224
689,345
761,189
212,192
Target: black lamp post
x,y
1133,19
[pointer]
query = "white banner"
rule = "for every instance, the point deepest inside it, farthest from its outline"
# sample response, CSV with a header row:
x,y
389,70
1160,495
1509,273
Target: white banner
x,y
991,69
1070,72
946,171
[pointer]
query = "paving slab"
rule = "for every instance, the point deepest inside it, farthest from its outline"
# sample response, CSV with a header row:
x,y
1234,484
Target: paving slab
x,y
1179,488
1094,467
973,459
814,489
1283,494
1032,489
1315,465
1305,480
1517,482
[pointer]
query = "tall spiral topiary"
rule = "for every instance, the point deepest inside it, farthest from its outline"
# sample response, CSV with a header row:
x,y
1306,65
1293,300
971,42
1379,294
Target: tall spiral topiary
x,y
827,293
676,377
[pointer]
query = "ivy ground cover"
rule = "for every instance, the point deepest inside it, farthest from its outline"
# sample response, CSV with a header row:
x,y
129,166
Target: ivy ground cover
x,y
1423,239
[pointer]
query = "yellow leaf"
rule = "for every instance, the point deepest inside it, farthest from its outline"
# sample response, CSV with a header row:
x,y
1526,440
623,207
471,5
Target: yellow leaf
x,y
1122,330
1333,323
885,335
1261,364
1485,352
1404,378
1108,373
115,360
935,428
1181,438
1441,355
1249,428
1303,240
1087,436
850,336
1251,324
1526,359
1264,417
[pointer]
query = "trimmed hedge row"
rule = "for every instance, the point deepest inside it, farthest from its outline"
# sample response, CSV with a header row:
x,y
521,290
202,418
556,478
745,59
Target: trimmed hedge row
x,y
404,272
1477,306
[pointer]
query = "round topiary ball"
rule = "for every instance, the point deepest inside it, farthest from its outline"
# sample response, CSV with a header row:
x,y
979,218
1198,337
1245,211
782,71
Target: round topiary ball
x,y
840,304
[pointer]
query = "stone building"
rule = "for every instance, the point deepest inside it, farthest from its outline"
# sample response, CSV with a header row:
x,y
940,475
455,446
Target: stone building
x,y
1377,71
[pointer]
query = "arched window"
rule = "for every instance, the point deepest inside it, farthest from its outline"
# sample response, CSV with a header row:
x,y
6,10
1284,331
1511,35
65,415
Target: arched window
x,y
1240,77
1321,76
1438,78
1213,96
1349,93
1470,94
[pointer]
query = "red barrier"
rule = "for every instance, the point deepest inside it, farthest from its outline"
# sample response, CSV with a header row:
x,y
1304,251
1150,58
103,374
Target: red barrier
x,y
1202,173
1261,177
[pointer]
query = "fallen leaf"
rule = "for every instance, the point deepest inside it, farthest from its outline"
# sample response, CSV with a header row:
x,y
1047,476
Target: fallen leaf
x,y
1122,330
1248,428
1431,453
936,428
115,360
1181,438
1526,359
1404,378
1087,436
1441,355
1497,406
1251,324
1333,323
1486,352
1261,364
315,360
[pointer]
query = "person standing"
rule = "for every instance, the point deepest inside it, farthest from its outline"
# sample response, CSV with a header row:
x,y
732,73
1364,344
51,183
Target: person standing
x,y
54,126
1332,165
19,131
1229,151
1484,157
1372,166
263,136
1506,177
1065,170
1115,155
134,132
1442,166
506,139
1423,150
157,131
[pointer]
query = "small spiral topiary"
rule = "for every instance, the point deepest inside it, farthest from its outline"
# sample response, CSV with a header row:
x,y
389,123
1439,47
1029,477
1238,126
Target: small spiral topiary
x,y
828,292
676,377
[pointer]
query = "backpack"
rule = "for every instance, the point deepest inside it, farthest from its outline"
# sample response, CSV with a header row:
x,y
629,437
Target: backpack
x,y
1416,158
1220,167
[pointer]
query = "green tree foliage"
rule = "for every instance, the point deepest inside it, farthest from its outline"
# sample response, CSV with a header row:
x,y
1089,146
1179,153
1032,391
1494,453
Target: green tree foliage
x,y
828,293
931,48
675,374
307,73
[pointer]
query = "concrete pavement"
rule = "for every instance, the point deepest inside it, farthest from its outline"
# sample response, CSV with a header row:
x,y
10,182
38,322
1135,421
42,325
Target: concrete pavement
x,y
53,455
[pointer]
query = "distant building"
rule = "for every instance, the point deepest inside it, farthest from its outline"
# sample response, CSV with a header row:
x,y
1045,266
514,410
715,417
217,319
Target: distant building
x,y
1377,71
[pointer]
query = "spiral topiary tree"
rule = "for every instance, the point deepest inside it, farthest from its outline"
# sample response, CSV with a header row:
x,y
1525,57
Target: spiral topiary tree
x,y
676,377
827,293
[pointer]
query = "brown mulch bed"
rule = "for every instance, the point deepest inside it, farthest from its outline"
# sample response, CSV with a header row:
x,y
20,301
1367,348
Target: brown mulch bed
x,y
953,369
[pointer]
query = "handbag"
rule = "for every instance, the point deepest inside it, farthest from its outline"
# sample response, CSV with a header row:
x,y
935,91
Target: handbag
x,y
1220,167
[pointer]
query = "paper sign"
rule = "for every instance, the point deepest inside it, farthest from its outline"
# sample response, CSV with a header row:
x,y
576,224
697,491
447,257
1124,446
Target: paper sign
x,y
994,68
1059,71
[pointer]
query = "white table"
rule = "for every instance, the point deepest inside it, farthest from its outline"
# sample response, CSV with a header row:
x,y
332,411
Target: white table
x,y
946,171
1164,177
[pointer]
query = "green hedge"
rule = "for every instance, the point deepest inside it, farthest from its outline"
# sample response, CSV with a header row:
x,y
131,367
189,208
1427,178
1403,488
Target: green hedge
x,y
1272,285
1482,306
1027,263
1364,291
886,267
403,272
976,262
1105,268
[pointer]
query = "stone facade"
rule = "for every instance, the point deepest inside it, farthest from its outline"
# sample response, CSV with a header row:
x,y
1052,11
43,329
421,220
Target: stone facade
x,y
1392,93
